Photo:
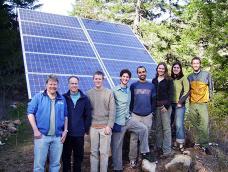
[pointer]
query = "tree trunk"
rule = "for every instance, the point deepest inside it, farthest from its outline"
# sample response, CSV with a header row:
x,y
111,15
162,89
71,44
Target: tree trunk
x,y
137,16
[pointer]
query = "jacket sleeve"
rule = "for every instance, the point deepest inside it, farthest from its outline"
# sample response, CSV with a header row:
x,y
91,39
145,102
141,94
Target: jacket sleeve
x,y
132,98
153,99
33,106
65,107
185,91
112,110
170,91
87,115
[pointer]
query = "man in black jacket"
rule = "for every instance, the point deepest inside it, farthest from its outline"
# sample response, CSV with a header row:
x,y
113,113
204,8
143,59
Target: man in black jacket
x,y
79,121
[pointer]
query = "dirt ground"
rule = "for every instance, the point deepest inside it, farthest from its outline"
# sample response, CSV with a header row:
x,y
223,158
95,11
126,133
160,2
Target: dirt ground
x,y
17,156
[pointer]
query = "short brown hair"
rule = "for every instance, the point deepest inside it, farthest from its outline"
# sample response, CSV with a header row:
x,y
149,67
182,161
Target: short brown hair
x,y
99,73
52,77
196,58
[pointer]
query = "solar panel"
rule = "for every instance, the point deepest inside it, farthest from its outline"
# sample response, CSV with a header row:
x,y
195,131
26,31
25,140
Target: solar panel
x,y
106,27
65,46
52,31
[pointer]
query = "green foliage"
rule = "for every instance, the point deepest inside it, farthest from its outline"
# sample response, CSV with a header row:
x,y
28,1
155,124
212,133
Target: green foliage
x,y
218,112
12,78
218,108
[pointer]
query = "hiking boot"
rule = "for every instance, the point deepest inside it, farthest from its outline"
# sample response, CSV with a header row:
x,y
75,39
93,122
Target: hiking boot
x,y
133,164
150,157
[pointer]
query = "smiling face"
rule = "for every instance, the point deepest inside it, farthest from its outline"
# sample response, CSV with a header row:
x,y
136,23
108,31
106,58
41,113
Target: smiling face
x,y
124,79
52,86
161,70
73,85
176,69
141,74
98,81
196,65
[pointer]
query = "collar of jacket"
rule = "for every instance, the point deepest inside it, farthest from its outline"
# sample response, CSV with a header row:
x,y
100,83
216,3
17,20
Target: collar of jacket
x,y
82,95
118,87
58,96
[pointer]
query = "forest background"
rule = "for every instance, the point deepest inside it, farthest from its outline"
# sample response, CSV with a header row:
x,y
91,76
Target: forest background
x,y
170,29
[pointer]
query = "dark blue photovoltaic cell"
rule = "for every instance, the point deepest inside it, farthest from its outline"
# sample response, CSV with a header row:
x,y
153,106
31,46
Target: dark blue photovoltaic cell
x,y
37,83
45,30
108,27
54,46
114,68
36,16
61,64
120,53
115,39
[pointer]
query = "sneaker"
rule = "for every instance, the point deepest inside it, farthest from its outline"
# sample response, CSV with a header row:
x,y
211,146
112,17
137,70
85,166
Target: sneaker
x,y
133,164
181,147
207,150
149,157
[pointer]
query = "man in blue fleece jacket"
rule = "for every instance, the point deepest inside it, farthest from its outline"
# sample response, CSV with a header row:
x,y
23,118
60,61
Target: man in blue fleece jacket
x,y
79,121
47,114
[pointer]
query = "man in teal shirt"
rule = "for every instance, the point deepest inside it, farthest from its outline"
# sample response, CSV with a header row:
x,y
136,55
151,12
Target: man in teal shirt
x,y
124,122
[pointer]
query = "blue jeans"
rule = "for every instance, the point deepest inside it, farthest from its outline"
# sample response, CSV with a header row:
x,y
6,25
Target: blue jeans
x,y
163,130
43,146
179,122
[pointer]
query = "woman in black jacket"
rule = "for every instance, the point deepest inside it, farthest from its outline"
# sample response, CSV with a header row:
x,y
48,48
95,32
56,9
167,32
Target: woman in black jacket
x,y
164,86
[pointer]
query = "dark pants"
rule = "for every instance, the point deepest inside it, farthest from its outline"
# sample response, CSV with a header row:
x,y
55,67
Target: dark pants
x,y
77,145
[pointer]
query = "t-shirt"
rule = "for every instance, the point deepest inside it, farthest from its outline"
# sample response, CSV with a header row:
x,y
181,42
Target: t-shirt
x,y
75,97
142,95
51,131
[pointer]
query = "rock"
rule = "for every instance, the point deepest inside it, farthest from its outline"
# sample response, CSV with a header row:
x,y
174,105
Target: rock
x,y
12,129
180,163
10,125
1,143
187,152
17,122
148,166
199,167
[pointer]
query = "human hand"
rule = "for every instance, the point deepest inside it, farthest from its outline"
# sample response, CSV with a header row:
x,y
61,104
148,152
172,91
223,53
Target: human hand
x,y
37,134
163,110
107,130
64,134
179,105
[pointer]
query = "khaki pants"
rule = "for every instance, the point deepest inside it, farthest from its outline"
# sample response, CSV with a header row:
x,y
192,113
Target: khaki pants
x,y
145,120
100,147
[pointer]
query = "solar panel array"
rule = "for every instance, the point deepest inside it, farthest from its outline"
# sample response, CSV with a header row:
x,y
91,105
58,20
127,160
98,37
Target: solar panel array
x,y
65,46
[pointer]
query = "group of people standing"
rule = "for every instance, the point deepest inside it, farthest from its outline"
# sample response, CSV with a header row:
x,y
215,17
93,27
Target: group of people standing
x,y
60,122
